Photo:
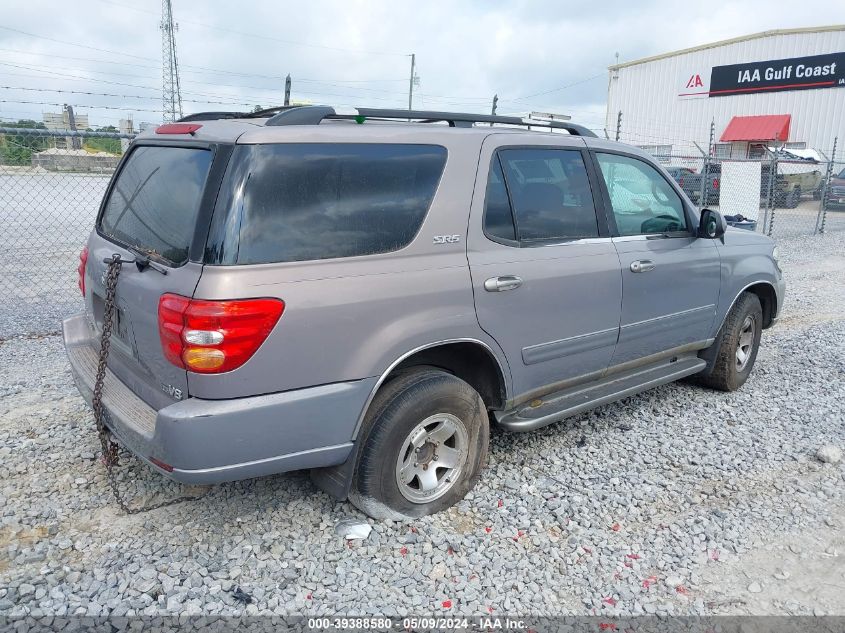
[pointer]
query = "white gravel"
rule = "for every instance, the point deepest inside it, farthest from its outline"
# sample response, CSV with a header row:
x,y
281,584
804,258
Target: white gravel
x,y
656,504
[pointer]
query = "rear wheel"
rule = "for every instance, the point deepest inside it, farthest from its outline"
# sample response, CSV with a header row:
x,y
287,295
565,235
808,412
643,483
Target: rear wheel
x,y
737,344
423,446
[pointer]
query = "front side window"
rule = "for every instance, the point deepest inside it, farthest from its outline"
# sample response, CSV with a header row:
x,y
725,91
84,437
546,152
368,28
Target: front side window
x,y
155,199
643,202
548,196
310,201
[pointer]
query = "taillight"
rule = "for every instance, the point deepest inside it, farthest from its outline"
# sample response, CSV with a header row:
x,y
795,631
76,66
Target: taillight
x,y
210,337
715,183
83,262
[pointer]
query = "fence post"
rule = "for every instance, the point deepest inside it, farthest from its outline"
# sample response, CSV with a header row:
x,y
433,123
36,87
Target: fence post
x,y
773,177
705,171
822,216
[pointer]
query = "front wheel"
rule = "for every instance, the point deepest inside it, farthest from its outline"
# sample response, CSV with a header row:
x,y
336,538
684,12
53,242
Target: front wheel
x,y
737,343
423,446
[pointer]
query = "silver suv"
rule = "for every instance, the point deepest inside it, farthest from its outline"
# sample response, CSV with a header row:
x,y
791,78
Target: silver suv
x,y
364,294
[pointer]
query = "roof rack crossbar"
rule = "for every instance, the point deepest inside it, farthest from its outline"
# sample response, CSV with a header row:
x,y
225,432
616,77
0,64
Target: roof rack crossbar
x,y
314,115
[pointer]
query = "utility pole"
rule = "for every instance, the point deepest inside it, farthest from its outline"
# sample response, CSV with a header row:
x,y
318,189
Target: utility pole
x,y
287,90
495,101
618,125
411,83
75,142
171,92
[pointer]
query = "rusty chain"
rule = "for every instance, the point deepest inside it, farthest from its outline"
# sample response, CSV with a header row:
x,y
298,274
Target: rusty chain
x,y
109,446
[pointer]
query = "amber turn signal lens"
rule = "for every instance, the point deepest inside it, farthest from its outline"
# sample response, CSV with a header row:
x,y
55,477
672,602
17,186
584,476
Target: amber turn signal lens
x,y
203,358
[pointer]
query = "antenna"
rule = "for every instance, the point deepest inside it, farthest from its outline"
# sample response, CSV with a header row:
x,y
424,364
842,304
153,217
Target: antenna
x,y
171,92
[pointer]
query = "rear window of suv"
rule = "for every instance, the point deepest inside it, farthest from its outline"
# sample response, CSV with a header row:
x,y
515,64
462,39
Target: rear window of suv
x,y
154,202
308,201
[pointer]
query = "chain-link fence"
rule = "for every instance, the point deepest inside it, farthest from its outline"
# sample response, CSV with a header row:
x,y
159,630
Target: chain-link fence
x,y
51,185
781,197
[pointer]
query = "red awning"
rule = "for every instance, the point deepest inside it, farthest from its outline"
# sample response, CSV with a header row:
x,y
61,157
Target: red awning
x,y
769,127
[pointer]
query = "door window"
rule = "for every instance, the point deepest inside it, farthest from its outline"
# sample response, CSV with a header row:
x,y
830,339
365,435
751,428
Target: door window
x,y
643,201
539,195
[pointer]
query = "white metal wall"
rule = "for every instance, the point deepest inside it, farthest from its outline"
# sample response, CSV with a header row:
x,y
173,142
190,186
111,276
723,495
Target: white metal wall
x,y
653,113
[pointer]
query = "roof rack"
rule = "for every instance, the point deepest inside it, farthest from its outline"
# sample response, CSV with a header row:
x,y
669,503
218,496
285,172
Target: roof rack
x,y
212,116
314,115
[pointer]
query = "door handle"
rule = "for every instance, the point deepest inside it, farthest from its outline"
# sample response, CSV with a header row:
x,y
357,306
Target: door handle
x,y
642,266
500,284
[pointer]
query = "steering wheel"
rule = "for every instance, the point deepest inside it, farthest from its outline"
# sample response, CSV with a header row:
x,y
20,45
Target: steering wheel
x,y
672,224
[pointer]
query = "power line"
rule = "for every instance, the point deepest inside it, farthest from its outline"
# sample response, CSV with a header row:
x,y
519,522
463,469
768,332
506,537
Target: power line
x,y
204,71
107,94
265,37
115,83
574,83
445,99
93,48
79,105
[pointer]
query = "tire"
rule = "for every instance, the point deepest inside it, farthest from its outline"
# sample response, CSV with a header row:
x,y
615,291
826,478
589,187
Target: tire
x,y
434,411
728,374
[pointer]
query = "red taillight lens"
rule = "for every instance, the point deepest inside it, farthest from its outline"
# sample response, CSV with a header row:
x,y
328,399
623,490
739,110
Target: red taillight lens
x,y
177,128
715,183
210,337
83,262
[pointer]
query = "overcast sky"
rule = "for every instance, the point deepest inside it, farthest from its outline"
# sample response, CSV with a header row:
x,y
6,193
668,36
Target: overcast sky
x,y
548,56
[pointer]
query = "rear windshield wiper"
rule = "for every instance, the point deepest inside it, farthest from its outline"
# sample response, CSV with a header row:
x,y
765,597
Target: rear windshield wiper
x,y
142,261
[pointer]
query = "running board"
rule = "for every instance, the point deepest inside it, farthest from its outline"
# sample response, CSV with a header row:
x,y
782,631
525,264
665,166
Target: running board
x,y
569,402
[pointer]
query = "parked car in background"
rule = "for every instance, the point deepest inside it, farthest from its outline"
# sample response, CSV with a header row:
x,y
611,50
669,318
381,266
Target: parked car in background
x,y
690,181
302,288
793,179
789,187
836,194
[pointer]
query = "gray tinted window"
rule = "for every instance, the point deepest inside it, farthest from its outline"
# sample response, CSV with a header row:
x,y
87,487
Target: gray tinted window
x,y
498,220
550,192
318,200
154,202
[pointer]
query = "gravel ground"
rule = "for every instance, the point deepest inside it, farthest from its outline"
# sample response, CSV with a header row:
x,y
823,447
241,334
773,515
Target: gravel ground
x,y
676,501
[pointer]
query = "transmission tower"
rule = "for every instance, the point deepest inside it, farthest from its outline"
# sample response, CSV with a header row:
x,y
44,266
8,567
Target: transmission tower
x,y
171,92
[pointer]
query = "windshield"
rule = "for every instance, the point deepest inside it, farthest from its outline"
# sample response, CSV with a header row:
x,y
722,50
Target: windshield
x,y
154,202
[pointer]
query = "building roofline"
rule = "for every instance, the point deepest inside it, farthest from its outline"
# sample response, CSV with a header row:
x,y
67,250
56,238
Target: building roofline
x,y
733,40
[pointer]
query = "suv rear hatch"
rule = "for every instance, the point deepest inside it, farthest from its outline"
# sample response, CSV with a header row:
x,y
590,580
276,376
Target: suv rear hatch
x,y
155,208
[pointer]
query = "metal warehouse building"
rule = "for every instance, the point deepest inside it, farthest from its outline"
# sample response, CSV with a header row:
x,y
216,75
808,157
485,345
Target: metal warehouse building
x,y
784,88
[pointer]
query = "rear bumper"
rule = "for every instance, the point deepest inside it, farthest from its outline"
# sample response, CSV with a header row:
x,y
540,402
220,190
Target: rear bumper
x,y
212,441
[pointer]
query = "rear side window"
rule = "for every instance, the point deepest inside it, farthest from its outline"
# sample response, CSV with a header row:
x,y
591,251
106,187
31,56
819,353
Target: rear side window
x,y
154,202
498,218
309,201
548,191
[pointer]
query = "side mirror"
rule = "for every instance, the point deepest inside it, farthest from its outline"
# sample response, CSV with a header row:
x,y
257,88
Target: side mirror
x,y
712,225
